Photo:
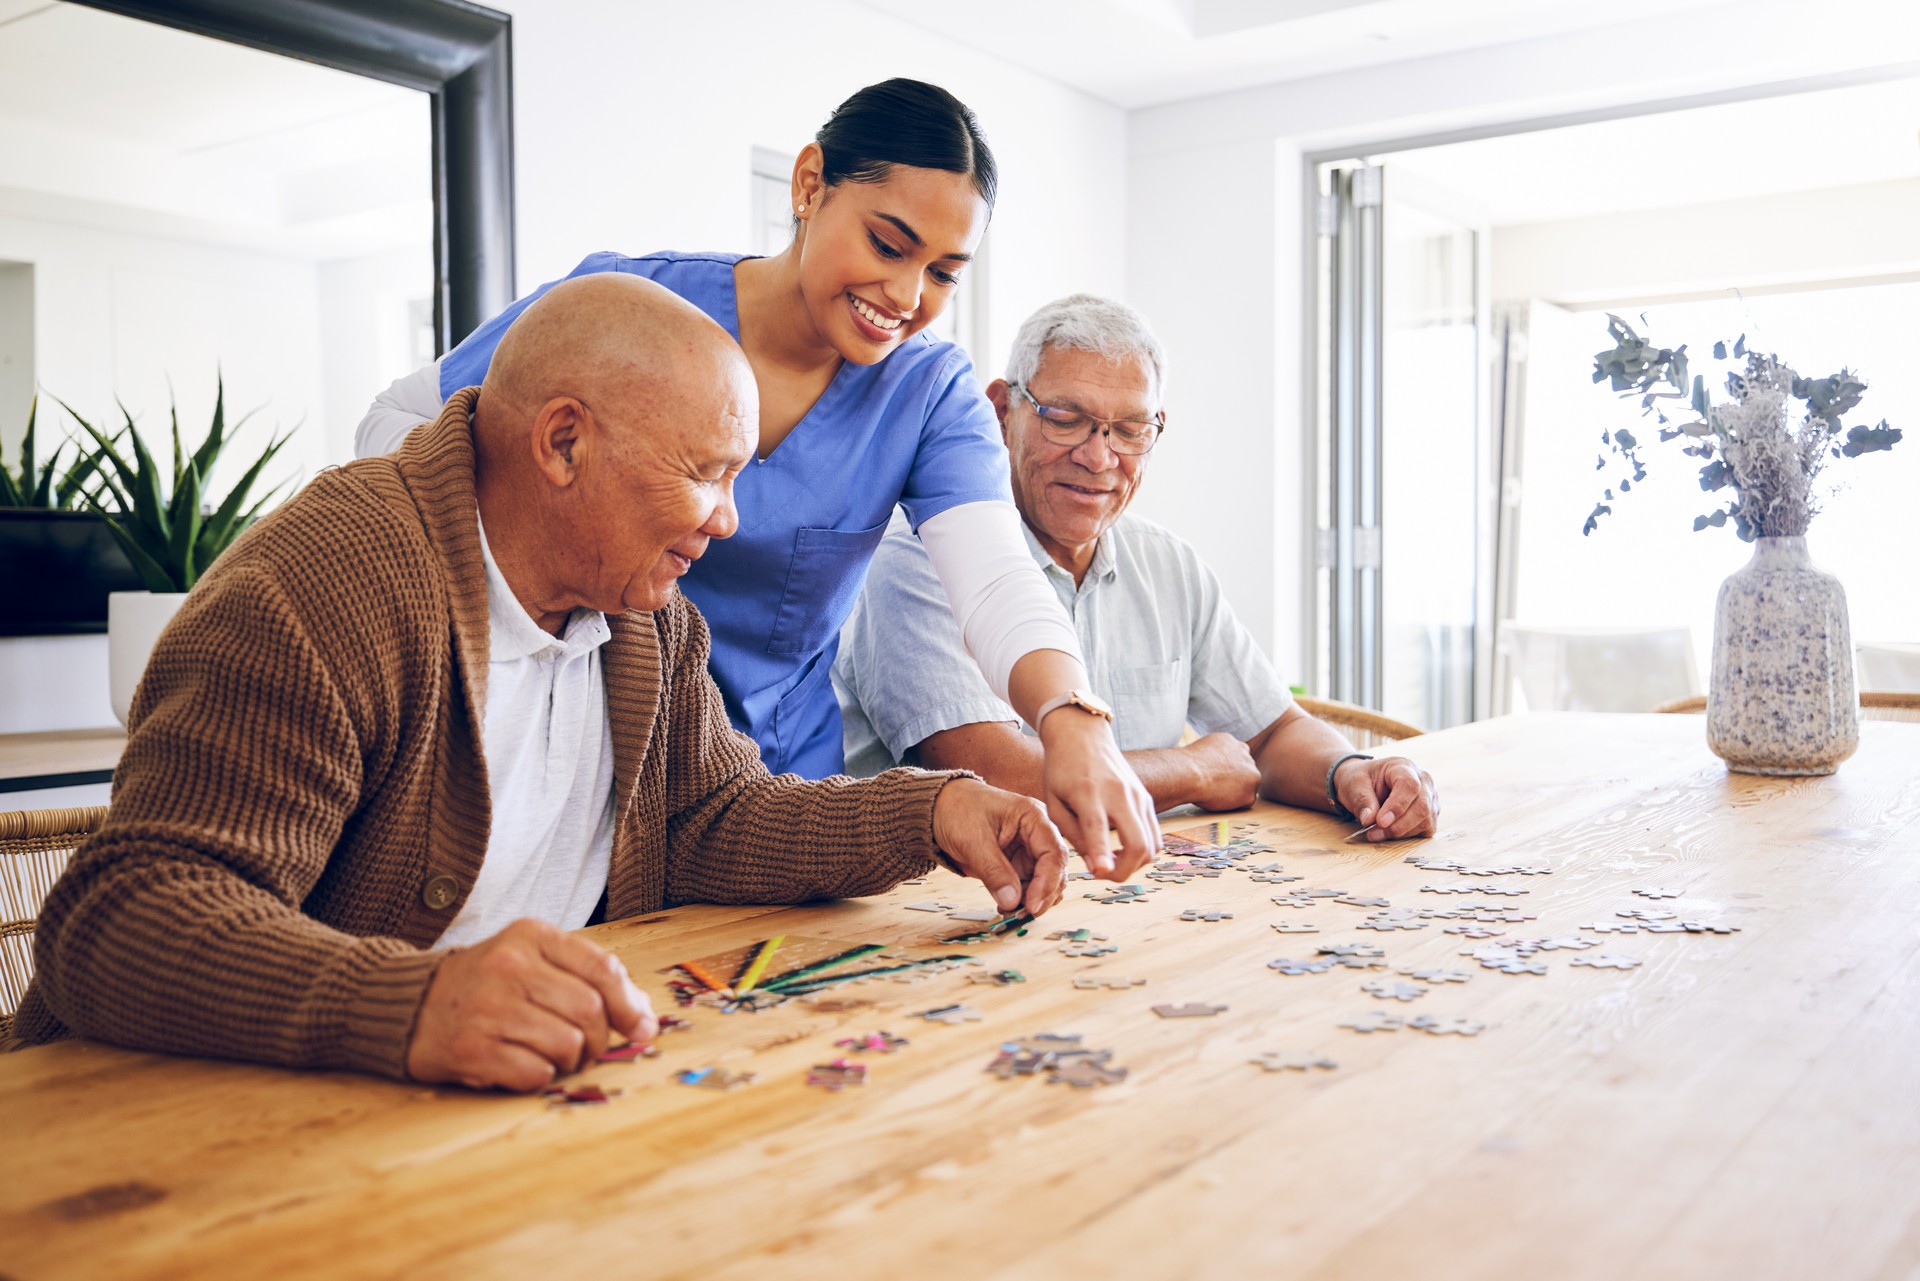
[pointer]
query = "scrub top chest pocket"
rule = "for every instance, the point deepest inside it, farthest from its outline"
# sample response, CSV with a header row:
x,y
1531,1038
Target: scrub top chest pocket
x,y
824,579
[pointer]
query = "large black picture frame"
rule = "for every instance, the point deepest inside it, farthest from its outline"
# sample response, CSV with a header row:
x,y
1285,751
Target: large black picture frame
x,y
460,54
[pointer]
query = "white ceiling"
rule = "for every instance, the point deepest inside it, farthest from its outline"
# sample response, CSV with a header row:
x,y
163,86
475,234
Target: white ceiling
x,y
1139,53
121,123
1768,146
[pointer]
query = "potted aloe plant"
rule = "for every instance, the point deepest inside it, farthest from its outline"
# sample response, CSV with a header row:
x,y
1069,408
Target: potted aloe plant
x,y
166,526
57,565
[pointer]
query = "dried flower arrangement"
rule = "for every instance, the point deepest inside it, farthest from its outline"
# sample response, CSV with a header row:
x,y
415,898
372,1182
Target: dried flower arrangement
x,y
1751,444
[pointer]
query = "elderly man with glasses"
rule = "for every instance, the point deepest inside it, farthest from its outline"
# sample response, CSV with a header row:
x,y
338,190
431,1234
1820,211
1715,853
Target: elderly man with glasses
x,y
1080,410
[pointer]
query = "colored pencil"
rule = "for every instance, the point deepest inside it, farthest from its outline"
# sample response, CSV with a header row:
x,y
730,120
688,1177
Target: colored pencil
x,y
851,954
692,969
758,965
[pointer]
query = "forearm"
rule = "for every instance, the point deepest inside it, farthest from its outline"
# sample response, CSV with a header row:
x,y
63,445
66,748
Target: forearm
x,y
1009,759
1293,755
758,838
1042,675
176,954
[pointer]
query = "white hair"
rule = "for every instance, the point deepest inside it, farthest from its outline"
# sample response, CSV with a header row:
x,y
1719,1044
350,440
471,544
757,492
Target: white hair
x,y
1087,322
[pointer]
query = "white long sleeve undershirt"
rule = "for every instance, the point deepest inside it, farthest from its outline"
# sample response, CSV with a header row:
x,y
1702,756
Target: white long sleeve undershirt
x,y
1001,600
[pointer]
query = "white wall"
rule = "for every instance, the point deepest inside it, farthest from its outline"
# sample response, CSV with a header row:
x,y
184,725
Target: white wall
x,y
367,339
1200,173
635,124
1839,233
1214,249
117,314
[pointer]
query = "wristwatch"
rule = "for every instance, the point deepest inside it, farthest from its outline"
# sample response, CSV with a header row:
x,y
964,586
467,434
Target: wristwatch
x,y
1333,796
1085,700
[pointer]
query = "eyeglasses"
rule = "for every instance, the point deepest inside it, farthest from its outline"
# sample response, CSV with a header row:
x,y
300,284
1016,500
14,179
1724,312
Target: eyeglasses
x,y
1069,427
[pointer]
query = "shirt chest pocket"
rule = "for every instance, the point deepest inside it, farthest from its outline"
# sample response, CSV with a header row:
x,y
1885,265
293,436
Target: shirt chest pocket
x,y
1149,704
823,581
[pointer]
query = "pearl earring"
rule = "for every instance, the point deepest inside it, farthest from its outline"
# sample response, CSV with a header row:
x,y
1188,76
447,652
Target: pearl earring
x,y
802,208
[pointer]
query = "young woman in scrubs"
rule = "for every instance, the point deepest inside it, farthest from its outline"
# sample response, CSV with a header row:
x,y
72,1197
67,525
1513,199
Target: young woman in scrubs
x,y
860,411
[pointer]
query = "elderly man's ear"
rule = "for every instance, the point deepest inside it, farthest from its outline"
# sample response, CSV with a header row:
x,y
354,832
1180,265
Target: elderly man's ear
x,y
1002,397
559,430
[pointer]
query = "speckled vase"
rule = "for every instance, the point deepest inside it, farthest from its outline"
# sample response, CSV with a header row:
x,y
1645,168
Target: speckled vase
x,y
1781,698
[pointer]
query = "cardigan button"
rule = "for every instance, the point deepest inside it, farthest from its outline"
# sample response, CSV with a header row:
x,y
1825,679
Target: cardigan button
x,y
439,891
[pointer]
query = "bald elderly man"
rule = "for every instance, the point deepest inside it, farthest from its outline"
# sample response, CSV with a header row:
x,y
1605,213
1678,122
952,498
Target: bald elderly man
x,y
444,707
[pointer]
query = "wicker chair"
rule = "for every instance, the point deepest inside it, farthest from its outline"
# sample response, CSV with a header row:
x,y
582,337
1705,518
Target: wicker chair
x,y
34,848
1367,728
1875,705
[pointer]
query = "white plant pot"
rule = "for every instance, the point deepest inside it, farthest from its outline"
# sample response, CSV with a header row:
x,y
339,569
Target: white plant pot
x,y
134,622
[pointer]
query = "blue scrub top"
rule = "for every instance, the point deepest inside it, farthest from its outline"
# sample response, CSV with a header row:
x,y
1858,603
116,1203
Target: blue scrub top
x,y
914,429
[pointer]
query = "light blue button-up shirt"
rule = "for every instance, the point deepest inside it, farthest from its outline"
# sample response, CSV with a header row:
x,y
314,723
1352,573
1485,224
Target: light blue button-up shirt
x,y
1161,643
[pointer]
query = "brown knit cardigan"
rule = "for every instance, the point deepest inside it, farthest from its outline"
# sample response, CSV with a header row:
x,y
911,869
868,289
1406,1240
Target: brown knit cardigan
x,y
302,806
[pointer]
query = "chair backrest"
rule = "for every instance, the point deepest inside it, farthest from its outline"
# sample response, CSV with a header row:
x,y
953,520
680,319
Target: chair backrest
x,y
1890,666
1875,705
34,848
1363,725
1600,669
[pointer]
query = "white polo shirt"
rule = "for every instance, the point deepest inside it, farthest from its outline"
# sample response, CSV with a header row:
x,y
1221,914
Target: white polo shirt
x,y
549,755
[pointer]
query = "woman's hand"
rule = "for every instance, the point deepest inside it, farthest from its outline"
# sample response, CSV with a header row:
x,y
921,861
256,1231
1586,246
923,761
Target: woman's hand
x,y
1089,788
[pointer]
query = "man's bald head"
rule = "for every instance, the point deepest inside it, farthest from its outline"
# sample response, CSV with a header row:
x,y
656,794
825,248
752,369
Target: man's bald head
x,y
611,339
612,421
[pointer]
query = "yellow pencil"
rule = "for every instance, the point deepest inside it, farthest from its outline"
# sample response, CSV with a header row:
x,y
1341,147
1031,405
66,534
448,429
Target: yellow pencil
x,y
759,966
1221,832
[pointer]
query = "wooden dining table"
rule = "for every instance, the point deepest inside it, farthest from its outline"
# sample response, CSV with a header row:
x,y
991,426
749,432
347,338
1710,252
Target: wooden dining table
x,y
1729,1104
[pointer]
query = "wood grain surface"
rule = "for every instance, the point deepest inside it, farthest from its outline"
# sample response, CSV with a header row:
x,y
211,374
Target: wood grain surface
x,y
1740,1105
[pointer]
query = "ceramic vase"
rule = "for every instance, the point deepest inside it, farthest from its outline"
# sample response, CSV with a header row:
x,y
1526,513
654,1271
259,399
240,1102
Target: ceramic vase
x,y
1781,696
134,622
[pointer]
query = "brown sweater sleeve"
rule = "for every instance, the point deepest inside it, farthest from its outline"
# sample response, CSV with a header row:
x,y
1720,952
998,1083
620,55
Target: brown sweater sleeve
x,y
179,925
737,834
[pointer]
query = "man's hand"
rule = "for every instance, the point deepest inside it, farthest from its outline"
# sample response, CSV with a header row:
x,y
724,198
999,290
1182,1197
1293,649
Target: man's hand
x,y
523,1007
1411,806
1003,841
1225,775
1090,788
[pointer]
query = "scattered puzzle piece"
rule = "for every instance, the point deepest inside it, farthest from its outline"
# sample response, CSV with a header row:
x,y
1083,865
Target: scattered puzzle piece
x,y
1192,1010
1648,914
1376,1021
1438,976
1085,1073
1296,927
977,914
1356,900
1387,990
1288,900
882,1042
561,1096
1286,966
1659,892
1275,878
999,978
929,907
1196,914
952,1015
1447,1026
1607,961
714,1078
1088,949
1349,949
1389,923
837,1075
1090,982
1275,1061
